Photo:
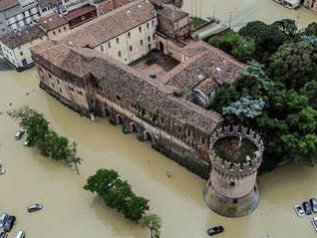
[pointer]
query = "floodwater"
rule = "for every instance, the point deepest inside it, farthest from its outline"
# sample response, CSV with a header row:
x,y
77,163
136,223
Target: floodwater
x,y
243,11
71,212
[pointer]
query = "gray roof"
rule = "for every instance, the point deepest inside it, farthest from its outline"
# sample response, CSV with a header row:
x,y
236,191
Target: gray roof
x,y
23,36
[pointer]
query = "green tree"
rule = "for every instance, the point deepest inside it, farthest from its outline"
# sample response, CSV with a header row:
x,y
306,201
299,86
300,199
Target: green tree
x,y
153,223
311,29
310,90
293,65
254,82
224,96
242,48
287,26
267,38
72,158
135,207
244,108
117,194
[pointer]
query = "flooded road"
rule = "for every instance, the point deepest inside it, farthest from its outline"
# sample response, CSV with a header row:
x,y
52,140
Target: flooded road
x,y
71,212
243,11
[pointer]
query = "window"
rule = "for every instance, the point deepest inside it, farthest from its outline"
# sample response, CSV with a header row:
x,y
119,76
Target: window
x,y
60,90
109,45
140,29
153,37
148,38
65,28
150,46
129,34
58,81
153,22
119,53
53,85
118,98
162,120
117,40
59,30
131,48
101,48
147,25
54,33
141,42
179,129
21,53
80,93
50,76
235,200
232,184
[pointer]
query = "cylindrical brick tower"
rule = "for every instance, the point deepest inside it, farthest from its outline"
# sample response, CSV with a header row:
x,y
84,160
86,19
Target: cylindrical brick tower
x,y
235,155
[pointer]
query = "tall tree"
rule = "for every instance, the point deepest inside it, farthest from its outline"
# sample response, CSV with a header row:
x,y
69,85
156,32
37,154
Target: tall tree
x,y
153,223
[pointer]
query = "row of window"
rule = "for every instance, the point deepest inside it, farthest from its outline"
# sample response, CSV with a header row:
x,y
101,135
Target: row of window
x,y
44,9
59,30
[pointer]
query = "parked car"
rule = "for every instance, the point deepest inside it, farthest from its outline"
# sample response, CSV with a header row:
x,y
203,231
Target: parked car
x,y
313,204
307,208
9,223
314,221
299,210
35,207
19,134
3,219
2,170
3,235
21,234
215,230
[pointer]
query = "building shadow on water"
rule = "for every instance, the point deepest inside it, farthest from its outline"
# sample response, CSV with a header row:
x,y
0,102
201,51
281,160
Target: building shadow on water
x,y
5,66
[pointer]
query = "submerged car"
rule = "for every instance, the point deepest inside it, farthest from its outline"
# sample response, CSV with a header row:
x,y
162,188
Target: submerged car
x,y
3,235
2,170
3,219
35,207
9,223
19,134
307,208
314,221
299,210
313,204
21,234
215,230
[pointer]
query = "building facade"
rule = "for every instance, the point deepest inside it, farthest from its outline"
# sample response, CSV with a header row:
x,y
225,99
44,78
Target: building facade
x,y
16,46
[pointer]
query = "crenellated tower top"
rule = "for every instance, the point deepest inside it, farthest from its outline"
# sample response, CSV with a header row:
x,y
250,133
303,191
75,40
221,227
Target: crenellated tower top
x,y
245,166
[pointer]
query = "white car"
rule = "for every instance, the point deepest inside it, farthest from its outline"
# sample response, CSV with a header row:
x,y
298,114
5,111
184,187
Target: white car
x,y
299,210
314,221
19,134
3,219
21,234
2,170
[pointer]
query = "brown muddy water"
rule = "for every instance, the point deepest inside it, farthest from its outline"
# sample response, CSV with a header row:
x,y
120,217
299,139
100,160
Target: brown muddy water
x,y
71,212
243,11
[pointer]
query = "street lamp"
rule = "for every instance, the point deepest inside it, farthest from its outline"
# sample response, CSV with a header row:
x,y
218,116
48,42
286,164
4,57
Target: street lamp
x,y
230,17
214,12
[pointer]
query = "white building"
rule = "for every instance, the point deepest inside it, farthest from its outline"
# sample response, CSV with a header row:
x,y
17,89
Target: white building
x,y
128,33
15,46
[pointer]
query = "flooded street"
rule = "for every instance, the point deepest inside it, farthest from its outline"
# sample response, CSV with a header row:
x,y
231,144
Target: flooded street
x,y
71,212
243,11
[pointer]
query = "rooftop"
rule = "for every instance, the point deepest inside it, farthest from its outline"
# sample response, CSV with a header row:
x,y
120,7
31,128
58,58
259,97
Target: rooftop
x,y
23,36
73,14
110,25
7,4
172,12
44,3
52,22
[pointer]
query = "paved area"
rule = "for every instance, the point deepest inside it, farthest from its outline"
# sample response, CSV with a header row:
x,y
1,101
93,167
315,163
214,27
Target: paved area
x,y
155,63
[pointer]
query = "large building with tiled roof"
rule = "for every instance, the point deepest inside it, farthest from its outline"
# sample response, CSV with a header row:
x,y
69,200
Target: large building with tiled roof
x,y
147,91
